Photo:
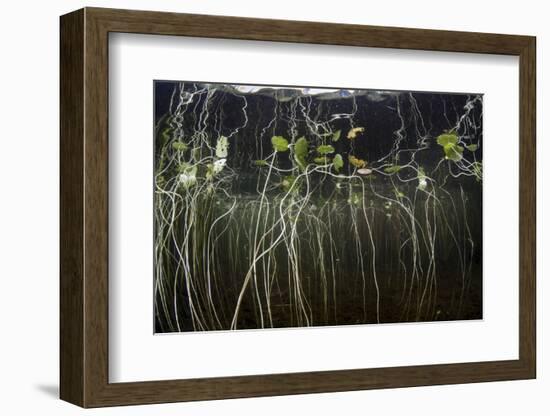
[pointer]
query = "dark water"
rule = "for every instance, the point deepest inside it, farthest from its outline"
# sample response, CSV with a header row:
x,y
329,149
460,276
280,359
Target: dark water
x,y
366,208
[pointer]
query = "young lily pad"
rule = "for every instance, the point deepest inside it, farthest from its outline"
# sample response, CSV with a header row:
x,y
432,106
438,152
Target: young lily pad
x,y
322,160
354,132
472,147
325,149
280,144
336,135
221,147
393,169
180,146
219,165
188,178
449,142
338,162
260,162
358,163
447,138
300,152
453,152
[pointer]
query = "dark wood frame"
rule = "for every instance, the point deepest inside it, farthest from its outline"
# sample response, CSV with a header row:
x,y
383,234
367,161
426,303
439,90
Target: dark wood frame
x,y
84,208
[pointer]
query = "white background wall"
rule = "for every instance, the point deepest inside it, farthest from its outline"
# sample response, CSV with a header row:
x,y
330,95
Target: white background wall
x,y
29,84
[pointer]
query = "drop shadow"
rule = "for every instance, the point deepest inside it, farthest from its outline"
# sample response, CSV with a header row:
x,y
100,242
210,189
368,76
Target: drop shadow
x,y
51,390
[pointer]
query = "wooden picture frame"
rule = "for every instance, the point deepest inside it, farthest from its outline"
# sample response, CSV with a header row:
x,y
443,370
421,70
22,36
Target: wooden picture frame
x,y
84,207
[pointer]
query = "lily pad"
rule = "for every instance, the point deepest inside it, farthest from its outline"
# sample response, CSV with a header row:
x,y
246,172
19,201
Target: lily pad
x,y
453,152
447,138
219,165
280,144
336,135
354,132
221,147
322,160
338,162
449,142
472,147
300,152
325,149
260,162
188,178
358,163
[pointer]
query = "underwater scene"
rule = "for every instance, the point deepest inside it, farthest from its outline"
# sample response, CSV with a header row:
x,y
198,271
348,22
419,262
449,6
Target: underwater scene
x,y
279,206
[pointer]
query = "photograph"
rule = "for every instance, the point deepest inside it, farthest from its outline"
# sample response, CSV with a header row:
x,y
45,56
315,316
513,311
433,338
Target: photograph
x,y
299,206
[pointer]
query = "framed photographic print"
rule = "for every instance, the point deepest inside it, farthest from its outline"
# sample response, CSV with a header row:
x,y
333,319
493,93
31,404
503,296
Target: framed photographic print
x,y
256,207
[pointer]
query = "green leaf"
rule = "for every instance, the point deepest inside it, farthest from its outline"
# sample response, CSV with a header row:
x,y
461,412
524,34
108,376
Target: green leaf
x,y
180,146
221,147
212,169
453,152
393,169
336,135
447,138
338,162
300,152
322,160
449,142
472,147
260,162
325,149
280,144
